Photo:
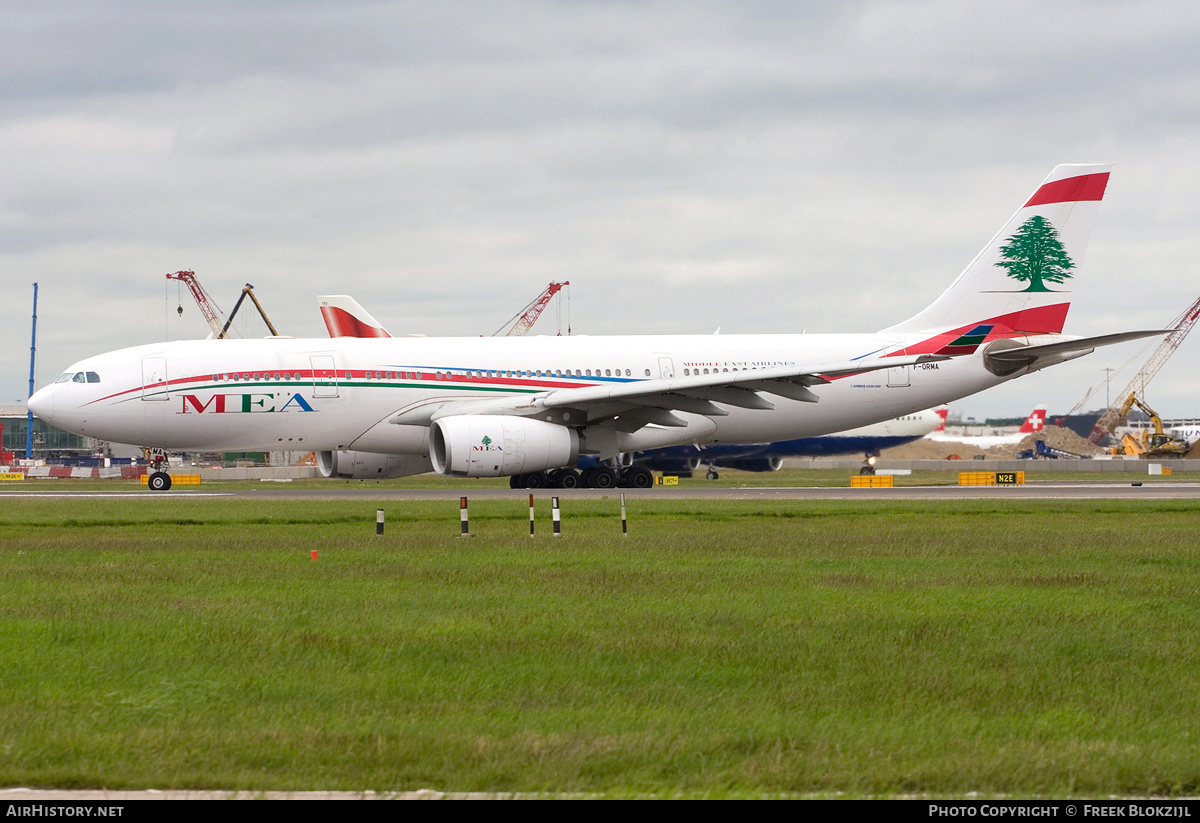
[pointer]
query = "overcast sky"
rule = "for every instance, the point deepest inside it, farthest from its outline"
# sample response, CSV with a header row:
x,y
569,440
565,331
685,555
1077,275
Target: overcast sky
x,y
753,166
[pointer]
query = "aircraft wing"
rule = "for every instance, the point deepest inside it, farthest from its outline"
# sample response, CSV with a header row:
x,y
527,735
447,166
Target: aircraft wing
x,y
653,401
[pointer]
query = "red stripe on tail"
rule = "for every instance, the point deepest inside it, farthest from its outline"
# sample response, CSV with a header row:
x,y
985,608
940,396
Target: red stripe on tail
x,y
343,324
1071,190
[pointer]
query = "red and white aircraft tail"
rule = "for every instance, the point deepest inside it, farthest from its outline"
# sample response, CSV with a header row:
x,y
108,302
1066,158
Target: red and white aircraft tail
x,y
1035,422
1020,283
344,317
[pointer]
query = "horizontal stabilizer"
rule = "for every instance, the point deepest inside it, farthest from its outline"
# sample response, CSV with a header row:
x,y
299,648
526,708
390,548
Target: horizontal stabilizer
x,y
1007,360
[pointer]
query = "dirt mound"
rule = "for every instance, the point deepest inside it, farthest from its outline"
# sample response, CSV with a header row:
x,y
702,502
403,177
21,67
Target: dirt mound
x,y
1054,436
931,450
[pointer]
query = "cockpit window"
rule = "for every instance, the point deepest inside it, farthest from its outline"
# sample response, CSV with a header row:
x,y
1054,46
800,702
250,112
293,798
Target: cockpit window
x,y
64,377
79,378
92,377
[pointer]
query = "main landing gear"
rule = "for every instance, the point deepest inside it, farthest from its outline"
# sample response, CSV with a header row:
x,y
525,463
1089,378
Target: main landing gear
x,y
594,477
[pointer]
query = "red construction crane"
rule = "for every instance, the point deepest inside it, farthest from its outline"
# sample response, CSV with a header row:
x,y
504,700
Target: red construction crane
x,y
1113,415
527,316
208,306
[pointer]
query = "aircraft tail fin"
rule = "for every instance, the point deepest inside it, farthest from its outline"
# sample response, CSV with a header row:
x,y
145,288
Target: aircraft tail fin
x,y
1035,422
1021,282
345,318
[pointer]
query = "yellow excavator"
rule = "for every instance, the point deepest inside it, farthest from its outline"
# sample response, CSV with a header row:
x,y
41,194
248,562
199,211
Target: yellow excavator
x,y
1154,442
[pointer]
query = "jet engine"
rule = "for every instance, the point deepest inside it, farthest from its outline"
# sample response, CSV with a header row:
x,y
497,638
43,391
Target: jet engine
x,y
754,464
355,465
670,465
499,445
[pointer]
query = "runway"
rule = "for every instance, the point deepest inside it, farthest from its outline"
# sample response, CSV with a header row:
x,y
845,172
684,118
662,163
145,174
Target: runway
x,y
1119,490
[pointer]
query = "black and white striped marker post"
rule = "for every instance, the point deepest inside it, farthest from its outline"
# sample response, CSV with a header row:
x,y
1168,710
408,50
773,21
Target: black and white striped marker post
x,y
462,515
378,522
557,518
531,515
624,525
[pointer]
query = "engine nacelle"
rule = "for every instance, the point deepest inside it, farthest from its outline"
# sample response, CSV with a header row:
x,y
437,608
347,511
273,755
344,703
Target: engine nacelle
x,y
754,464
481,445
670,465
355,465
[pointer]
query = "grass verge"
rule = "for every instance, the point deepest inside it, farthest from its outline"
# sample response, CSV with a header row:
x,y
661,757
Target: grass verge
x,y
868,647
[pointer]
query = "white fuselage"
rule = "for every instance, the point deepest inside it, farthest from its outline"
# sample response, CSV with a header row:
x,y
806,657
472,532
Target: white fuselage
x,y
323,394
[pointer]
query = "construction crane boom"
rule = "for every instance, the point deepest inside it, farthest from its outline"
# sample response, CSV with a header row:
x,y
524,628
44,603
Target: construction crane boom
x,y
248,291
527,316
1116,413
208,306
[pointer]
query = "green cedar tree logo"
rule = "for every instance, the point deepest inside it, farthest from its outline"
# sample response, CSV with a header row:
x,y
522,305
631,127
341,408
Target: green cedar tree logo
x,y
1034,254
487,441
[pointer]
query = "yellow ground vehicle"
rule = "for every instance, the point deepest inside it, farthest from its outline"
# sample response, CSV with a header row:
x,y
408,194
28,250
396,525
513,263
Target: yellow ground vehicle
x,y
1154,442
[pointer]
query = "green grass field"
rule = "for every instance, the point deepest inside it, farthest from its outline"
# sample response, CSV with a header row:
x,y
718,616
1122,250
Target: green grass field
x,y
720,649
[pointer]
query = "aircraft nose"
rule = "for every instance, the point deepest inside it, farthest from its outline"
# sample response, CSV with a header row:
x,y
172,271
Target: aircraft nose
x,y
42,404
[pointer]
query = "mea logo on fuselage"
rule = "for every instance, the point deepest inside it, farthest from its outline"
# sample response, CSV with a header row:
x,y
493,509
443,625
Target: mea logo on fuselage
x,y
256,403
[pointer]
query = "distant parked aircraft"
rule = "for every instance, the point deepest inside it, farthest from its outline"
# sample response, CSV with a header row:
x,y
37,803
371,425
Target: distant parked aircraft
x,y
1036,422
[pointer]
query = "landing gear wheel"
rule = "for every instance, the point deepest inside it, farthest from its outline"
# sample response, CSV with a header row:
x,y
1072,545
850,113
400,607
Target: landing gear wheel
x,y
604,478
712,475
867,470
535,480
514,481
569,479
638,478
159,482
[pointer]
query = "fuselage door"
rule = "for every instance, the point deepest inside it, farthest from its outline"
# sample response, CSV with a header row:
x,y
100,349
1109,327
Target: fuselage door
x,y
325,382
898,377
666,367
154,378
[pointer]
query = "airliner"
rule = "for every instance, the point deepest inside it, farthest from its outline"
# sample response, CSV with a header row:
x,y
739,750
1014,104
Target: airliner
x,y
1036,422
493,407
768,457
345,317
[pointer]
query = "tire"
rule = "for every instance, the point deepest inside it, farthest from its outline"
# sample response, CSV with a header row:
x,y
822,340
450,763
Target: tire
x,y
712,475
605,478
159,482
535,480
569,479
639,478
514,481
